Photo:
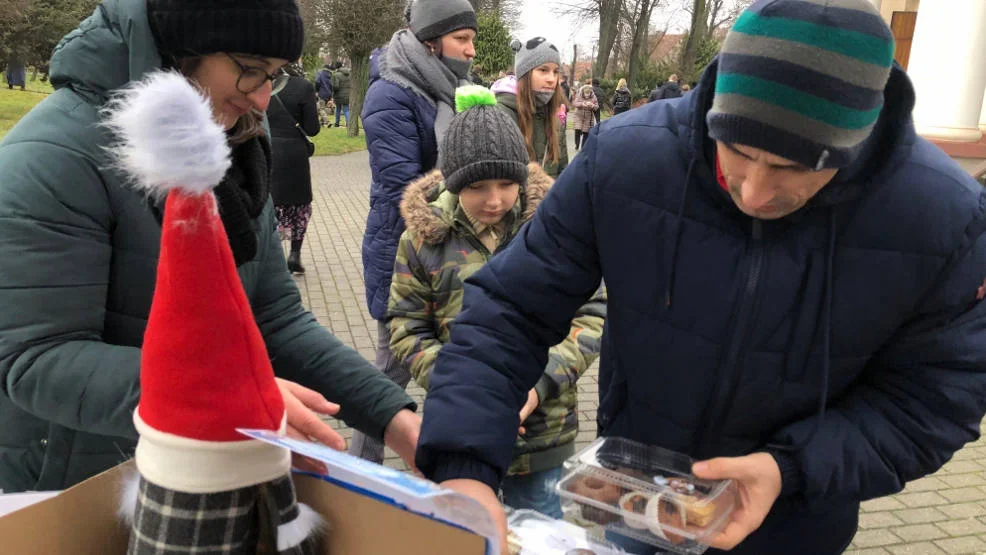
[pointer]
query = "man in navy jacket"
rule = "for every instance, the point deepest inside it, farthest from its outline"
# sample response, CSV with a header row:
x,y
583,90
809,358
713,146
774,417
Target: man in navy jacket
x,y
796,283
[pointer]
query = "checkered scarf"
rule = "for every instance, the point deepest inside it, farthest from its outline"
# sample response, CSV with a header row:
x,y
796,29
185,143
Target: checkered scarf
x,y
238,522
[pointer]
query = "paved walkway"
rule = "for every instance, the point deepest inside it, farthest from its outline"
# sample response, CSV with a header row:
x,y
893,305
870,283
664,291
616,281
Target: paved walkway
x,y
944,513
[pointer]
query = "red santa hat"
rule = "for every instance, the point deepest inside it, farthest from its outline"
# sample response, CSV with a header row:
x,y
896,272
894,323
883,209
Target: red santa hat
x,y
204,368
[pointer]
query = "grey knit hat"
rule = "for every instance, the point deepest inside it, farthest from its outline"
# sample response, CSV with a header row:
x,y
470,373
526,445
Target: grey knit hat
x,y
430,19
533,53
482,142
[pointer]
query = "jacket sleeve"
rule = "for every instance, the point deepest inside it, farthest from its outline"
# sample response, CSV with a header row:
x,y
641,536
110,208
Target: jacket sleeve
x,y
330,88
303,351
516,307
392,139
563,148
55,222
413,338
568,360
309,111
920,399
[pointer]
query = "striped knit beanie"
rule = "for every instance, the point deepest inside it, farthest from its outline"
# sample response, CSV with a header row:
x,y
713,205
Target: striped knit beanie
x,y
803,79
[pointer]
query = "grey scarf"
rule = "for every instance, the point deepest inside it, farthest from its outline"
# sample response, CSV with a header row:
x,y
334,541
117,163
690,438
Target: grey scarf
x,y
408,63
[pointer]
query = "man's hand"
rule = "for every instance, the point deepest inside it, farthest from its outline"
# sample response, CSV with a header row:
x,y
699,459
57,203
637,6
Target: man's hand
x,y
758,484
401,435
487,498
303,406
532,403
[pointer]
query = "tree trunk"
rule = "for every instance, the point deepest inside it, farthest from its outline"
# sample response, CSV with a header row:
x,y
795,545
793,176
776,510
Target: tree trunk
x,y
359,82
571,70
695,38
609,19
641,32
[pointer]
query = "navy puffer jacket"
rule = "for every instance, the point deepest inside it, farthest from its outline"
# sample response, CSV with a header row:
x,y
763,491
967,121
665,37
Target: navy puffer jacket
x,y
400,135
847,339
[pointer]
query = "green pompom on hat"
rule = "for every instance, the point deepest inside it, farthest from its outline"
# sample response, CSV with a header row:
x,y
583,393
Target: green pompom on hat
x,y
473,95
482,142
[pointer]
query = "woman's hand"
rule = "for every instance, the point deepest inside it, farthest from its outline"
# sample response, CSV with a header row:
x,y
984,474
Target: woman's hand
x,y
303,407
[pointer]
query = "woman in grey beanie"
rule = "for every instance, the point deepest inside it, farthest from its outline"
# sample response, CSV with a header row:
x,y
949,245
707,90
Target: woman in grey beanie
x,y
407,110
536,102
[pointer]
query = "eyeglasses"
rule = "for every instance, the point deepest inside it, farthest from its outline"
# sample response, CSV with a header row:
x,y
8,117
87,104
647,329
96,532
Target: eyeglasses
x,y
252,78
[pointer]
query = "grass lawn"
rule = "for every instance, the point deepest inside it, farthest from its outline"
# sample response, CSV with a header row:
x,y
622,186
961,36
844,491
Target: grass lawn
x,y
333,141
15,103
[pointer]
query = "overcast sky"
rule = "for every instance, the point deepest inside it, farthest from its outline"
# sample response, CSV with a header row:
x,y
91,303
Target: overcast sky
x,y
538,19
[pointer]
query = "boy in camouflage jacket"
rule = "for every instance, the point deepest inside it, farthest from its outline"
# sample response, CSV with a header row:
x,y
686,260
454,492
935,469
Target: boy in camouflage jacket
x,y
444,244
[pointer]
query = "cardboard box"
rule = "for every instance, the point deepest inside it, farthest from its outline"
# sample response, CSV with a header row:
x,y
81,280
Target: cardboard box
x,y
375,513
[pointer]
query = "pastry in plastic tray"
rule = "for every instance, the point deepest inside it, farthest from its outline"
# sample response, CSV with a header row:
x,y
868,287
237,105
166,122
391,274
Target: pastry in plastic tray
x,y
647,493
604,491
532,533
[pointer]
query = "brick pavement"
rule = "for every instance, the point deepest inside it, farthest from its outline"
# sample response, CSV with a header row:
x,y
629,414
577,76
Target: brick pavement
x,y
943,513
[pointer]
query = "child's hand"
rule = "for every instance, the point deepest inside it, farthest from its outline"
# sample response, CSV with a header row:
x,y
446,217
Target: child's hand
x,y
531,404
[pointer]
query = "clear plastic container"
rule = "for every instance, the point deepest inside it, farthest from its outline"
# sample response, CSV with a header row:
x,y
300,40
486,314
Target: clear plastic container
x,y
646,493
532,533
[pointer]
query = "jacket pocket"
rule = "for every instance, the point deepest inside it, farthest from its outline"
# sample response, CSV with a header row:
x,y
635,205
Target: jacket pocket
x,y
614,398
57,457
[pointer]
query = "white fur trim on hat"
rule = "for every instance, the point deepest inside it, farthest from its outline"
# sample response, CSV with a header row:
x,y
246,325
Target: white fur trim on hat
x,y
291,534
166,135
194,466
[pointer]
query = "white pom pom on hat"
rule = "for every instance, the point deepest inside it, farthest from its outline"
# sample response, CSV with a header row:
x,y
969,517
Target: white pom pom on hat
x,y
166,136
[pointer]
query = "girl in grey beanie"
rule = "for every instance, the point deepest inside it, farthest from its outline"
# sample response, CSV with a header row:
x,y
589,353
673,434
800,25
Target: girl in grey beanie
x,y
537,101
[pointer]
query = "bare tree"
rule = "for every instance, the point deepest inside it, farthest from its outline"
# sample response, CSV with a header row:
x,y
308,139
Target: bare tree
x,y
608,14
357,27
508,10
696,35
639,52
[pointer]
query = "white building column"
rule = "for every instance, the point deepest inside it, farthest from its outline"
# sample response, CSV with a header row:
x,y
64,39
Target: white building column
x,y
947,69
982,117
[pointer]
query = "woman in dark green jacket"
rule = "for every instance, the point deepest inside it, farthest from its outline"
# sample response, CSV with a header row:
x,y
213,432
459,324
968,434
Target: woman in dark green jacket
x,y
536,101
80,245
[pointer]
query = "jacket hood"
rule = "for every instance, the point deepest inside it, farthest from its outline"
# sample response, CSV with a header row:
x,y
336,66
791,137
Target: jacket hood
x,y
109,49
428,209
886,145
506,85
585,89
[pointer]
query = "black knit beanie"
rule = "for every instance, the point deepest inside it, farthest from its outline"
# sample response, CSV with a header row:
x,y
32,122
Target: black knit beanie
x,y
270,28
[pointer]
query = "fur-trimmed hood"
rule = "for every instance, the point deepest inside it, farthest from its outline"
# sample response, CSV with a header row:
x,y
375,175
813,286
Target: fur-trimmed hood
x,y
428,209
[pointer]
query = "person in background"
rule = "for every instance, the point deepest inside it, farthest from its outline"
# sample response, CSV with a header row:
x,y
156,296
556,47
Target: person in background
x,y
340,86
81,253
584,107
535,102
666,90
323,86
292,114
598,91
796,288
15,74
622,98
458,218
565,87
408,108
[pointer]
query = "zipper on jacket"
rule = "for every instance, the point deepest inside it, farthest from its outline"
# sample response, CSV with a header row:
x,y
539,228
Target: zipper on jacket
x,y
732,362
